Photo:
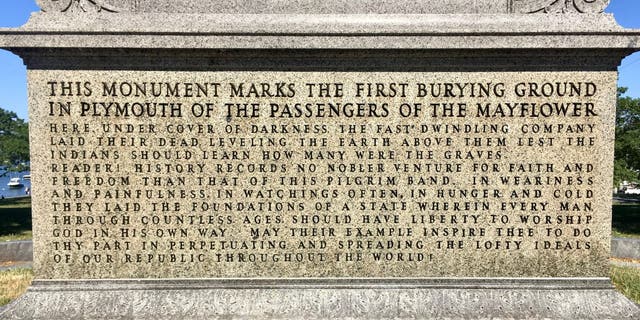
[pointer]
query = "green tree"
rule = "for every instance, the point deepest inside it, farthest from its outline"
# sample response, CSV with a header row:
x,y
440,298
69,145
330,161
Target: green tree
x,y
627,144
14,139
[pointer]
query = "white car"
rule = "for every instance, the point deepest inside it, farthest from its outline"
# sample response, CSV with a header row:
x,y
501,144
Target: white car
x,y
632,191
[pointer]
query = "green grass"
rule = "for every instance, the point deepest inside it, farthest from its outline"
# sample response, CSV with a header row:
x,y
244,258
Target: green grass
x,y
14,283
626,220
627,281
15,219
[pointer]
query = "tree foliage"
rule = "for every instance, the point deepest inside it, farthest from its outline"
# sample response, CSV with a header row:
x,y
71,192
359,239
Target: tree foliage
x,y
627,145
14,139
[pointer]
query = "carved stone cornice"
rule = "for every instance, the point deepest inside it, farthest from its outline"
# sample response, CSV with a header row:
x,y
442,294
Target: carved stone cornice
x,y
79,5
558,6
326,6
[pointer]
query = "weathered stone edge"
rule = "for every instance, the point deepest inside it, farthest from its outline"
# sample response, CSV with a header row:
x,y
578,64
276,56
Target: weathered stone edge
x,y
316,302
281,6
628,40
327,6
625,248
16,251
41,285
319,41
370,60
264,31
162,23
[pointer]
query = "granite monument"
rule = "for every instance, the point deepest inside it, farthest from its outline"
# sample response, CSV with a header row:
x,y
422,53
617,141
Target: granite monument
x,y
321,159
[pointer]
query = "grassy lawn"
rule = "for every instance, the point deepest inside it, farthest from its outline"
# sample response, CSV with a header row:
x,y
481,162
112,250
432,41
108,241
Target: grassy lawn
x,y
627,281
15,219
13,283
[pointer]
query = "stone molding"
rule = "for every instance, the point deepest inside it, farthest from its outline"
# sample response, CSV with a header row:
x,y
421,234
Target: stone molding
x,y
151,24
451,298
558,6
77,6
273,31
409,60
327,6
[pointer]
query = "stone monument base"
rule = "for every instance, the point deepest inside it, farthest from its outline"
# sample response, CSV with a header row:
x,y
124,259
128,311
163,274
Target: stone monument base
x,y
424,298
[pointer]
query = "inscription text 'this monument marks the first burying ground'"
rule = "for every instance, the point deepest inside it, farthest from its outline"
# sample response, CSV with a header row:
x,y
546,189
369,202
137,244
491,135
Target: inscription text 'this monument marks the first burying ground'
x,y
322,174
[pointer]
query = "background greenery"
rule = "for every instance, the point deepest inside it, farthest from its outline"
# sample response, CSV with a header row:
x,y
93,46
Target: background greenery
x,y
14,142
627,145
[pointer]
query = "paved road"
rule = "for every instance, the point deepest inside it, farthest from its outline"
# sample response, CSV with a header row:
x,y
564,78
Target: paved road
x,y
16,265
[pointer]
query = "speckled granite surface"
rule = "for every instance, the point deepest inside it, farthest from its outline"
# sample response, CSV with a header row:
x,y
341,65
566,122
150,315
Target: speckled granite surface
x,y
86,269
337,299
372,207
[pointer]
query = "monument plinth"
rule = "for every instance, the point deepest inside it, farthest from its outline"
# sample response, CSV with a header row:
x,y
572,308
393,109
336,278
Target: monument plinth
x,y
321,159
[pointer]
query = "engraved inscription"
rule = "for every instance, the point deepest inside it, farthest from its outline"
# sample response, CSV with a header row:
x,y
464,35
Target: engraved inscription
x,y
321,174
